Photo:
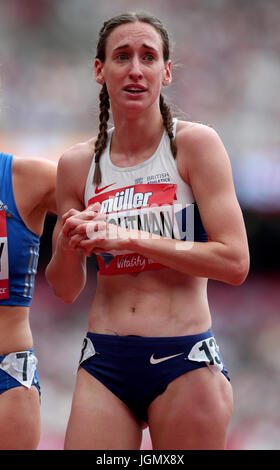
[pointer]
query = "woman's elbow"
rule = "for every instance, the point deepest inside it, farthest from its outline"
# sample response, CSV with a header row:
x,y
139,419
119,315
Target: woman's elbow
x,y
239,269
60,291
64,295
67,299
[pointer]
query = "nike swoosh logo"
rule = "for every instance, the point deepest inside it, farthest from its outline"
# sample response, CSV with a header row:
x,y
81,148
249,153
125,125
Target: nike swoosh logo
x,y
97,191
153,360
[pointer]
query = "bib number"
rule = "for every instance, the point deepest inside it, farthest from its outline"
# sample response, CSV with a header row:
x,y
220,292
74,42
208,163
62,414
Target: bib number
x,y
4,260
21,366
88,350
207,351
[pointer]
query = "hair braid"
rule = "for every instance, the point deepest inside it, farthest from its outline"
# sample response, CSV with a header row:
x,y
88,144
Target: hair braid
x,y
101,141
168,124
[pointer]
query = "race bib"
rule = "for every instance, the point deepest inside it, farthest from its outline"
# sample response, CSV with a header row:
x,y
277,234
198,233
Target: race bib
x,y
21,366
4,260
144,207
207,351
88,350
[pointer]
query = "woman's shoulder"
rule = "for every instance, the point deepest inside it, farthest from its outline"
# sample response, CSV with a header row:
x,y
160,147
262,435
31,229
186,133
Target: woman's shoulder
x,y
76,160
199,146
34,185
29,170
197,140
195,132
79,152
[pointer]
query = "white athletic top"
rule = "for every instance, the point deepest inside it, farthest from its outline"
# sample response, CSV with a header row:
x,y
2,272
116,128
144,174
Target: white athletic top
x,y
151,197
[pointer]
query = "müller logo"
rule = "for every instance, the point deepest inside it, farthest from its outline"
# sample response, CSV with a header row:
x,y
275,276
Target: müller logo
x,y
125,200
135,197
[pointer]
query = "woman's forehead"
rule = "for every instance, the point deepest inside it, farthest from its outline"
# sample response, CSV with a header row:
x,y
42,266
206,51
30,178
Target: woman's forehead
x,y
136,33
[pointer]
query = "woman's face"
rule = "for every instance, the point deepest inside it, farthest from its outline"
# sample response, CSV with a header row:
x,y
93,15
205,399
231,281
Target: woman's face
x,y
134,69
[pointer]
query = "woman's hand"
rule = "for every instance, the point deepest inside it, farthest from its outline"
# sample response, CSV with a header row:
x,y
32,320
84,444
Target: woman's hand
x,y
74,224
88,231
103,236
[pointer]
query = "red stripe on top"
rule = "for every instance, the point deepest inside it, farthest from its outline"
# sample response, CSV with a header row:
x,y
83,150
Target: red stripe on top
x,y
162,194
3,226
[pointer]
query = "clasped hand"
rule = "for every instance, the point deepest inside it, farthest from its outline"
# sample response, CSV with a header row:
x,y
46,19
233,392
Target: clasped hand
x,y
88,231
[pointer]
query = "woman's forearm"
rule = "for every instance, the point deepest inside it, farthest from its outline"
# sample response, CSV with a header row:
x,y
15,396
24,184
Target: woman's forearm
x,y
213,260
66,272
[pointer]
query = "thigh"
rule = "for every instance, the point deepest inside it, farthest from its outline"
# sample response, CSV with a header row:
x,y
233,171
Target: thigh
x,y
193,413
99,419
20,419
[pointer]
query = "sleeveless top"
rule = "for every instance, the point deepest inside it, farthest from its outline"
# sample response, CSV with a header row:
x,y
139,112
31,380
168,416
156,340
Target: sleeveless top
x,y
151,197
19,246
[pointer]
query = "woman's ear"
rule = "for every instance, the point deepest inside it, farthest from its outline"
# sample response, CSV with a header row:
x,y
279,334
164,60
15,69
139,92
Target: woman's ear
x,y
167,75
98,71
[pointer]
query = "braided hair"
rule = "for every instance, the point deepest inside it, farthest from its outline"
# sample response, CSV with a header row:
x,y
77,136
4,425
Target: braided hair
x,y
101,141
104,101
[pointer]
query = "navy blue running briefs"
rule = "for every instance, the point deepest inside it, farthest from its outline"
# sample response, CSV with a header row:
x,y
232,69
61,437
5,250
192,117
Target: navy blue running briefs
x,y
138,369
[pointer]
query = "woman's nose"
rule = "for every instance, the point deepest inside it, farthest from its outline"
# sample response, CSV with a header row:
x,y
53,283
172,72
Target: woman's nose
x,y
135,72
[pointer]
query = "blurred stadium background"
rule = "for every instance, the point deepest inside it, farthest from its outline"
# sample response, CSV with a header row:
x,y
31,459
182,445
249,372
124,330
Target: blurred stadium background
x,y
227,73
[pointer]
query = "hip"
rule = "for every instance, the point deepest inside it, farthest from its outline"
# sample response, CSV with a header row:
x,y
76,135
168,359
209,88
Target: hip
x,y
15,331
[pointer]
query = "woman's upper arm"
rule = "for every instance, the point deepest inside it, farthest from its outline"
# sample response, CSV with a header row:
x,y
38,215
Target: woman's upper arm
x,y
69,183
72,263
67,194
49,169
204,163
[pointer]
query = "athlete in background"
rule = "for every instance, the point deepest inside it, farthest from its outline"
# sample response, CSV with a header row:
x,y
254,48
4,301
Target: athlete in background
x,y
133,195
27,193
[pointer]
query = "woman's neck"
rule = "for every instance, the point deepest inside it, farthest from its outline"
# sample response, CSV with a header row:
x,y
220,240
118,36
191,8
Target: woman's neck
x,y
135,140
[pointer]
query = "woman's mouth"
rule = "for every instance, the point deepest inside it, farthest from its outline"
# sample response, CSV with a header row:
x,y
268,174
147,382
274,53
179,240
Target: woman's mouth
x,y
135,90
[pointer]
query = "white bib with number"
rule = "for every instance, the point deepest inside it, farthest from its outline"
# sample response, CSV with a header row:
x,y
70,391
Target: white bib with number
x,y
207,351
88,350
4,260
21,366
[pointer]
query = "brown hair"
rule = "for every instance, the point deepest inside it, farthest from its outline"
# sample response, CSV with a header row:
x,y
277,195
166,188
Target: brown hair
x,y
104,101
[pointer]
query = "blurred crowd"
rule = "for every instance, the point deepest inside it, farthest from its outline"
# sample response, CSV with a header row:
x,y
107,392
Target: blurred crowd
x,y
226,73
225,54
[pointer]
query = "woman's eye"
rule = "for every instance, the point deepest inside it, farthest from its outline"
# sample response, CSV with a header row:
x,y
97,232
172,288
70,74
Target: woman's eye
x,y
149,57
122,56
